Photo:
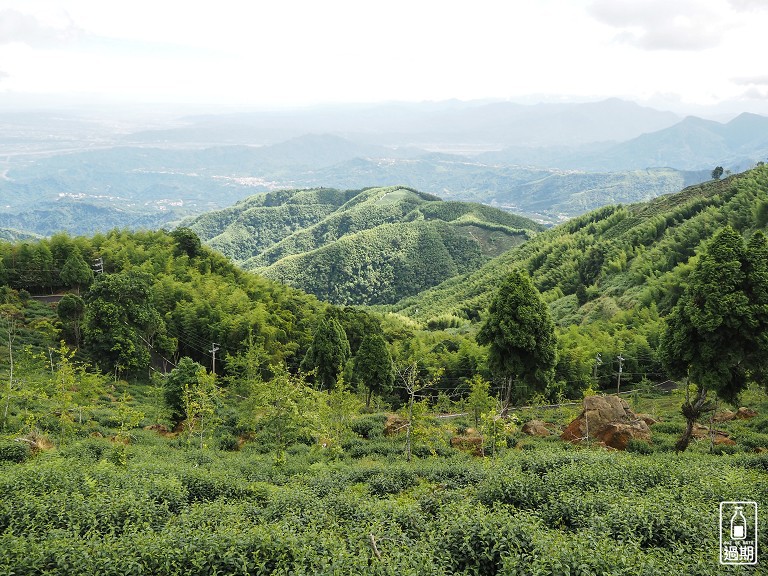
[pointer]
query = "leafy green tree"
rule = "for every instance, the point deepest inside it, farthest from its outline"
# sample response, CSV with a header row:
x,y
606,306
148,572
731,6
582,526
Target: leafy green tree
x,y
201,397
180,377
187,242
715,335
717,173
520,335
71,311
122,325
757,292
373,366
337,408
479,400
76,272
328,353
284,407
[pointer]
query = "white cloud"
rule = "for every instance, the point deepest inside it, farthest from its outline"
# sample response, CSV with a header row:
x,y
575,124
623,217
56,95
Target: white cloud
x,y
16,26
662,24
747,5
761,80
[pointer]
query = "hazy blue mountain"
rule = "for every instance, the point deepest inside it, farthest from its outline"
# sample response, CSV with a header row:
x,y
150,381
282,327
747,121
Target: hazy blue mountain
x,y
442,124
691,144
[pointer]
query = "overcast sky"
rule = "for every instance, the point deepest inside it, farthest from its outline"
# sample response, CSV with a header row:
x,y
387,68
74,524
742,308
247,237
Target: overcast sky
x,y
296,52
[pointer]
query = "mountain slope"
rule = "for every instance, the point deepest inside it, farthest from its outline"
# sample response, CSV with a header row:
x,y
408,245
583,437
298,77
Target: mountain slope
x,y
360,247
615,258
692,144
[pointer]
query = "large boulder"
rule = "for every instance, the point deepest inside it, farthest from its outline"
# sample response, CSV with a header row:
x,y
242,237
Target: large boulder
x,y
536,428
745,413
607,420
700,432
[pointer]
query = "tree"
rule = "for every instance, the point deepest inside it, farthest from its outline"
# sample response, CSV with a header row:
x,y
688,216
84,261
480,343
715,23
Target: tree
x,y
71,311
180,377
187,242
373,366
327,354
122,326
520,335
717,173
479,400
76,272
716,334
201,397
284,407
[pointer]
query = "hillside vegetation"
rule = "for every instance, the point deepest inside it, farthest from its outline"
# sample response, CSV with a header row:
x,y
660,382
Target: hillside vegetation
x,y
333,440
360,247
615,258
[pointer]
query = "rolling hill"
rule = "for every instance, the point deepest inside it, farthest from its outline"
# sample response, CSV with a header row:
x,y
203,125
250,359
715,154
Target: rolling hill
x,y
616,258
360,247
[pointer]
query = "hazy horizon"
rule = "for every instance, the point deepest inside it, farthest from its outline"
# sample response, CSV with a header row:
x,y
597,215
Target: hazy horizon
x,y
686,56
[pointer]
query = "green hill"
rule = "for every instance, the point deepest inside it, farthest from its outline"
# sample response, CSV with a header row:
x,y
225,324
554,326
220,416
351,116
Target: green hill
x,y
361,247
615,258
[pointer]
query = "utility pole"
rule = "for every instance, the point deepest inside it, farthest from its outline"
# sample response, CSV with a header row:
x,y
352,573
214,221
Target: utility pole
x,y
214,348
618,383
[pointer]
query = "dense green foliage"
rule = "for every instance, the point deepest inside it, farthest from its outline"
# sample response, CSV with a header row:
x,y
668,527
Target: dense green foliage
x,y
520,336
609,276
328,354
549,511
155,301
360,247
715,335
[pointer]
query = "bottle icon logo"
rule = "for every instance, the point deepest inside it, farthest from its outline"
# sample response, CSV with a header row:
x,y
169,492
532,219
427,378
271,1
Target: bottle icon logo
x,y
738,533
738,525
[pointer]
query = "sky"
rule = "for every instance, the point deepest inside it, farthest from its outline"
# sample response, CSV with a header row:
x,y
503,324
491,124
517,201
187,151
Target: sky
x,y
254,53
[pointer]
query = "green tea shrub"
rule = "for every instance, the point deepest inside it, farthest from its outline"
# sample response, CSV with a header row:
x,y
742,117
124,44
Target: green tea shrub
x,y
507,485
752,461
369,427
477,540
87,450
12,451
206,485
639,446
750,440
392,480
451,473
227,442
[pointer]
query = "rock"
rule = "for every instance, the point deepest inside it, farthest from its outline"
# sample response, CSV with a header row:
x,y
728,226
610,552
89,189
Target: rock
x,y
536,428
725,416
744,413
700,431
466,443
609,420
648,419
161,429
394,425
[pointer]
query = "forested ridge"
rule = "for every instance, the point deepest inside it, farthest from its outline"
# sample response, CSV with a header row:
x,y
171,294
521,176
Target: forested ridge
x,y
360,247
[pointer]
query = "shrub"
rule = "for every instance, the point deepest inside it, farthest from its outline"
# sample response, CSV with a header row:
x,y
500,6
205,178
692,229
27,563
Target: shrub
x,y
370,427
11,451
639,446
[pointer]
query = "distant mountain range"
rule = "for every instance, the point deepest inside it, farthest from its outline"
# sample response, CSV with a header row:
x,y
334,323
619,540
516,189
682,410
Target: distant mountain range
x,y
360,247
442,125
549,161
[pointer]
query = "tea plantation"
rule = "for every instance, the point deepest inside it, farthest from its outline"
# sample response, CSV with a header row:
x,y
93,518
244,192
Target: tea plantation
x,y
161,506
